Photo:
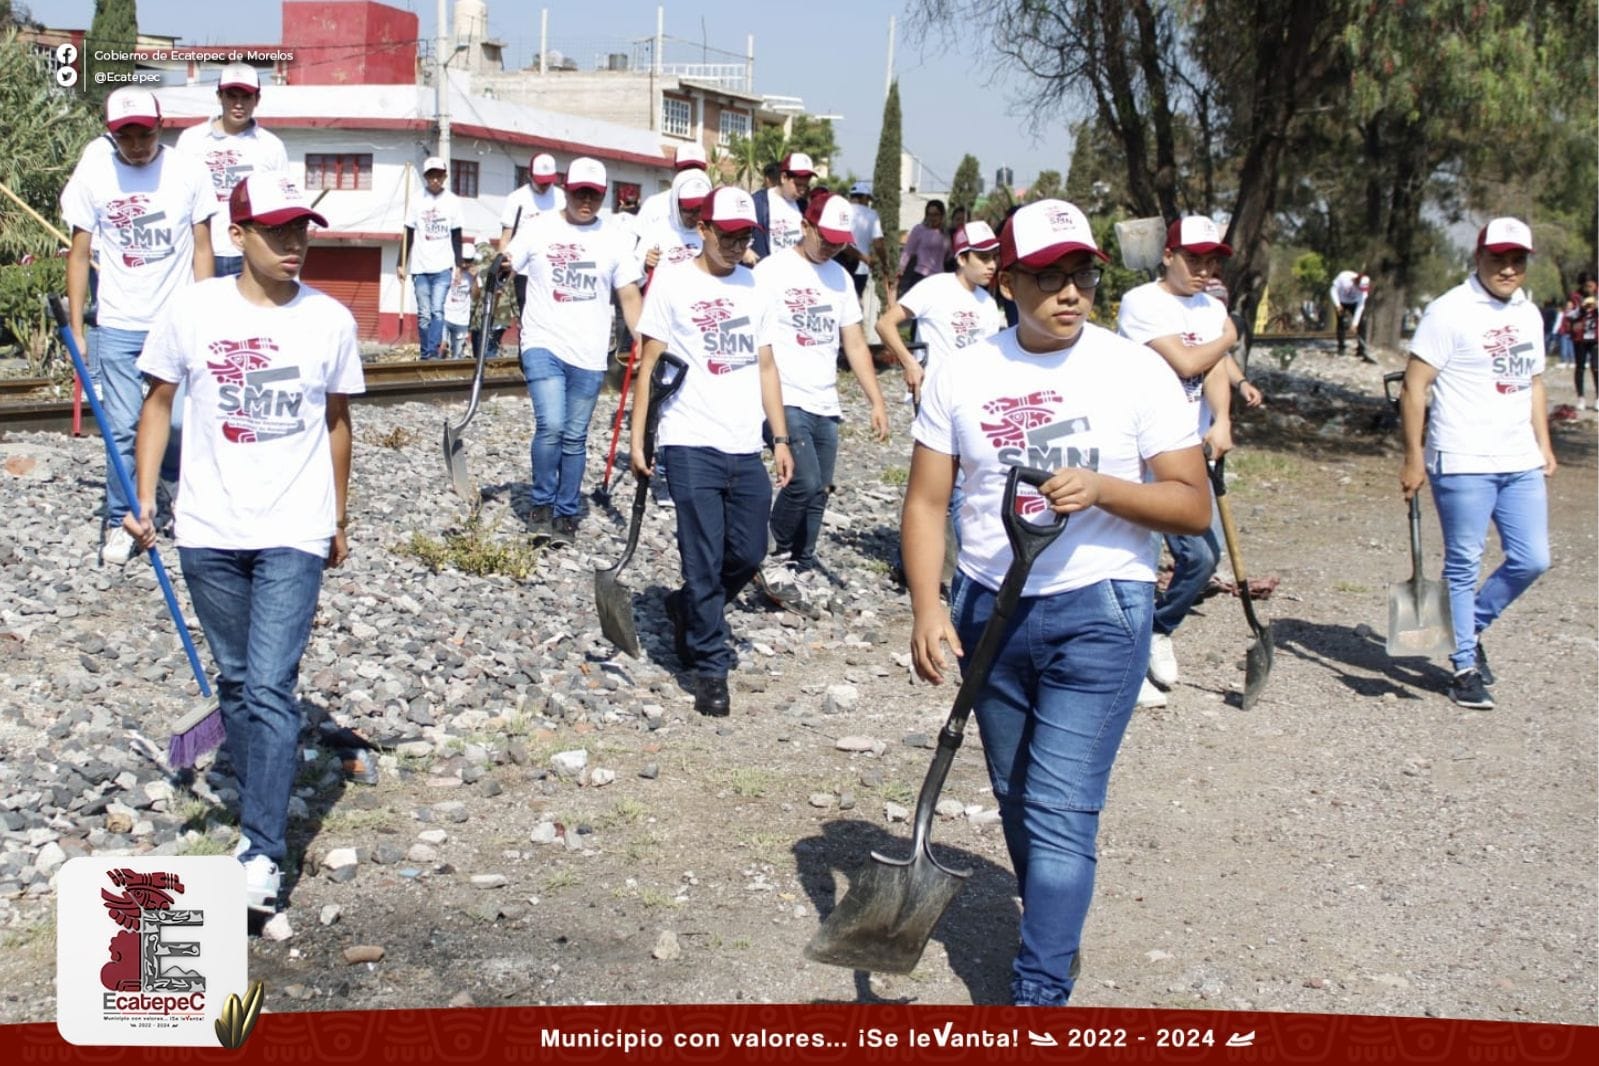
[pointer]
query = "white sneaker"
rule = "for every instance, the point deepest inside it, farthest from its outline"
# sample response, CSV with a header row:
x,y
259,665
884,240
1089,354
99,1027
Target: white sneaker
x,y
241,847
1582,405
1162,661
119,547
261,884
1150,696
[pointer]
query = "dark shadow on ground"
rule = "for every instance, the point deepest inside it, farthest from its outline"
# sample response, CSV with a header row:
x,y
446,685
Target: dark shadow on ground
x,y
1343,650
979,931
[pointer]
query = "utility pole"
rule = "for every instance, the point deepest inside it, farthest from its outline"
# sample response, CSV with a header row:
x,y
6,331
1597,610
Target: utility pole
x,y
544,35
441,82
888,75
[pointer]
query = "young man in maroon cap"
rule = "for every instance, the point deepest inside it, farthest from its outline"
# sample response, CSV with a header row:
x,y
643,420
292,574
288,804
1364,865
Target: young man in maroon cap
x,y
574,262
1109,419
814,312
231,147
1190,330
711,313
269,365
780,210
541,195
1474,383
146,211
433,244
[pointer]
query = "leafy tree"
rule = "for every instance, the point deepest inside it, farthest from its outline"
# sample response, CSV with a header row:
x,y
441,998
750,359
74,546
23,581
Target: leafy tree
x,y
814,137
116,29
1047,186
43,133
886,179
968,183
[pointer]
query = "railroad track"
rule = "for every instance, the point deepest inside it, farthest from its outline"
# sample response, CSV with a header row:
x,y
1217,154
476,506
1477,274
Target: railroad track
x,y
21,408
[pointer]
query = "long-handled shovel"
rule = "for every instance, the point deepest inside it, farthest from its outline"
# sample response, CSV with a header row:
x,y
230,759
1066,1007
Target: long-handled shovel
x,y
612,600
1258,660
1419,619
201,729
883,923
454,446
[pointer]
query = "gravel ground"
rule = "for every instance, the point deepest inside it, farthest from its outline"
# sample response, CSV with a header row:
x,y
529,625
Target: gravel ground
x,y
552,823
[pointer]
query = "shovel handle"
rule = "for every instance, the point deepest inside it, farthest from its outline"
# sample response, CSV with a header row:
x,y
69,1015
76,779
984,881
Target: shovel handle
x,y
1028,541
1415,537
1388,383
58,308
662,387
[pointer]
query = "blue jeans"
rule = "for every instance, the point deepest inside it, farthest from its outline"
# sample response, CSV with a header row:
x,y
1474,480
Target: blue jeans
x,y
227,266
563,403
1194,562
112,357
1518,506
722,502
460,339
797,511
256,609
1052,714
431,289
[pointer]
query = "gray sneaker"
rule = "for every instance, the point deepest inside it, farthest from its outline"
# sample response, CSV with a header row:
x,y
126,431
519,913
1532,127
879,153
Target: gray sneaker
x,y
563,531
538,524
1467,690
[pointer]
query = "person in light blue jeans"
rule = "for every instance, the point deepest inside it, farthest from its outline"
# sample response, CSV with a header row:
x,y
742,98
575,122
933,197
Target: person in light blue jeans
x,y
563,398
1476,424
431,291
112,356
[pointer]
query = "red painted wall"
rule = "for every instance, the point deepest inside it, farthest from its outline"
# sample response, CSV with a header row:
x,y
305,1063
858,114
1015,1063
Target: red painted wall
x,y
349,42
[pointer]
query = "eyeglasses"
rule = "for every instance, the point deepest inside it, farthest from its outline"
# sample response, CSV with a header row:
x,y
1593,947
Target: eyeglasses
x,y
1049,281
733,240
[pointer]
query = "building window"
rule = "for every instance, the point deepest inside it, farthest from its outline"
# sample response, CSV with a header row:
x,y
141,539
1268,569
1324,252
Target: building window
x,y
677,117
521,178
463,178
734,124
338,171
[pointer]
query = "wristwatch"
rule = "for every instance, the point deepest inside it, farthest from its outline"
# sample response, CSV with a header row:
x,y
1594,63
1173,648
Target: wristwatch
x,y
779,440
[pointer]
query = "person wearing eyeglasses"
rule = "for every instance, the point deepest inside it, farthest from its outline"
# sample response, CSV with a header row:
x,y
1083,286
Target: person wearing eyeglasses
x,y
815,312
710,313
1188,328
1109,419
573,263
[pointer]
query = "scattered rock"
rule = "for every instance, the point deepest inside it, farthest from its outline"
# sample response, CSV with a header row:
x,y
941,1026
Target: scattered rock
x,y
359,953
666,946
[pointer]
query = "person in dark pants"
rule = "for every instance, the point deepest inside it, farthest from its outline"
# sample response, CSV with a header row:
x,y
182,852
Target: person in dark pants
x,y
710,313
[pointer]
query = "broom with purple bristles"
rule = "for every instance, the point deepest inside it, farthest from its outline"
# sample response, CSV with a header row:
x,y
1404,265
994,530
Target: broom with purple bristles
x,y
200,730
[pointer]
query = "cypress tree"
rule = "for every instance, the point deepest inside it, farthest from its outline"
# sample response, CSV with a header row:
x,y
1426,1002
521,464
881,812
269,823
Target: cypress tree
x,y
968,184
115,29
885,181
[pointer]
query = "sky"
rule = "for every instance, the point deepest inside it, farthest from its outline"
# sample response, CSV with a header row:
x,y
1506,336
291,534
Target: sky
x,y
831,53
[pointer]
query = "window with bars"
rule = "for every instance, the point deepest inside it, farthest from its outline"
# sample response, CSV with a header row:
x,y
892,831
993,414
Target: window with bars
x,y
338,171
463,178
733,124
677,117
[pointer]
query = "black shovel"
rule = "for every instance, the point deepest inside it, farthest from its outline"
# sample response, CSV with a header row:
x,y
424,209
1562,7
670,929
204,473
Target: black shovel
x,y
1258,660
612,600
883,923
454,447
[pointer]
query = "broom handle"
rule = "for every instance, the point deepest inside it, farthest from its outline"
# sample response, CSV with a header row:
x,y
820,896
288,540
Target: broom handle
x,y
60,311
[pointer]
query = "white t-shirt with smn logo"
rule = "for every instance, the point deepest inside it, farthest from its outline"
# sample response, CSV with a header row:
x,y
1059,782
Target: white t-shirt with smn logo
x,y
1150,312
784,222
949,316
1105,403
141,222
230,158
811,305
257,470
432,218
718,326
678,243
1486,352
571,273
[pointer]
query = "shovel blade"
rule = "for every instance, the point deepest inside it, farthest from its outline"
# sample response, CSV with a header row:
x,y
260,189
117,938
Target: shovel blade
x,y
1419,619
614,603
884,921
1257,666
455,461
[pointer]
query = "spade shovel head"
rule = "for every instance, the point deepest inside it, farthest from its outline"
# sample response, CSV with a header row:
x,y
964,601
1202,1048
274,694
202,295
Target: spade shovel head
x,y
1257,665
455,460
1419,622
885,920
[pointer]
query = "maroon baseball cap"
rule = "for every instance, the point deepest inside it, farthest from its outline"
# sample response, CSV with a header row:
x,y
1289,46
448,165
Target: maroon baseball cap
x,y
1196,234
730,209
271,199
832,217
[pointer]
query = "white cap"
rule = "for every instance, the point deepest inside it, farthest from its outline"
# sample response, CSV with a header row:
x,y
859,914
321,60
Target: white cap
x,y
240,76
586,173
832,217
691,187
797,163
730,209
433,162
542,168
1044,231
861,188
127,107
1505,235
975,236
1196,234
270,198
689,155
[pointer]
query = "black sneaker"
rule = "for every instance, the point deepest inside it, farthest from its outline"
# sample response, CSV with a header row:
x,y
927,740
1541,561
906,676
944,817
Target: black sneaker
x,y
563,530
674,611
1467,690
710,696
1482,664
538,523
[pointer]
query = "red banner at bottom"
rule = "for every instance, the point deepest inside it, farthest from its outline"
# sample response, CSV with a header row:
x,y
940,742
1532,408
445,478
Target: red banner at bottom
x,y
847,1033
